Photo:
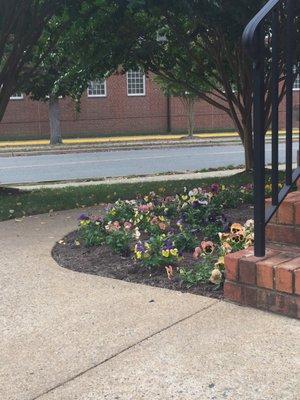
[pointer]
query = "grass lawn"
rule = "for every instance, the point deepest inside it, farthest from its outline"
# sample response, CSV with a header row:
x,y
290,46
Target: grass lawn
x,y
16,204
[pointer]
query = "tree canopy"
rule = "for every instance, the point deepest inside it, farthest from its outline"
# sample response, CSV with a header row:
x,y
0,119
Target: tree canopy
x,y
198,44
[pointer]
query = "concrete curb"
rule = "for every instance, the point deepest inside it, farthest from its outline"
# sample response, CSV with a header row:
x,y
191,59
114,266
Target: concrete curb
x,y
106,147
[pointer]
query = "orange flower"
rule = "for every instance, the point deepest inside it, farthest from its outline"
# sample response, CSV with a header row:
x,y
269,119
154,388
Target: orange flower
x,y
237,228
224,236
162,226
197,252
207,246
226,246
169,271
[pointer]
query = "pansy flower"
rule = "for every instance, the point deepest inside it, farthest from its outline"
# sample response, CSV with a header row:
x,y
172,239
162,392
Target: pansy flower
x,y
237,228
169,271
83,217
207,246
216,276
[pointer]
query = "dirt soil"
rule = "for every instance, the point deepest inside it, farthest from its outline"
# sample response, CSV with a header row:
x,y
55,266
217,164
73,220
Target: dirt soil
x,y
100,260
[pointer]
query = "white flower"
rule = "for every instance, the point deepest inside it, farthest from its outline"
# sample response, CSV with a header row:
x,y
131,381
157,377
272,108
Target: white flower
x,y
193,192
249,224
137,233
216,276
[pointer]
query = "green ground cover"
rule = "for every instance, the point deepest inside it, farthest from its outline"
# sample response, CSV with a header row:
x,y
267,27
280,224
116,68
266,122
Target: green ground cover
x,y
16,204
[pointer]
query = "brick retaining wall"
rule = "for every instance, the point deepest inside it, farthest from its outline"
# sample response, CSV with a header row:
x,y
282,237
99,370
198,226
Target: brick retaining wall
x,y
272,282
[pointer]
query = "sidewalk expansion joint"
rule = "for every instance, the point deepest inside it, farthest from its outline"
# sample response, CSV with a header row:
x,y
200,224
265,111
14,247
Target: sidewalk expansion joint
x,y
113,356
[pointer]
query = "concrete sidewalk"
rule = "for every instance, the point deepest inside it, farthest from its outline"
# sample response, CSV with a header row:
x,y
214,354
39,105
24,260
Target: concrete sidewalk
x,y
71,336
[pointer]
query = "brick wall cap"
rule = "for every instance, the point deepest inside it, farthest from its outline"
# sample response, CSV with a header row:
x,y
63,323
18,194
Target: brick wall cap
x,y
291,264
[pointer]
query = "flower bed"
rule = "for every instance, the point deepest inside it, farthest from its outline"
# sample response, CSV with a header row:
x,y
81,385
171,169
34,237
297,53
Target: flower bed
x,y
172,241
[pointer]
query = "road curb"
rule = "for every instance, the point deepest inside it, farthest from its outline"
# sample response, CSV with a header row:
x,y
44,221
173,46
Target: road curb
x,y
91,148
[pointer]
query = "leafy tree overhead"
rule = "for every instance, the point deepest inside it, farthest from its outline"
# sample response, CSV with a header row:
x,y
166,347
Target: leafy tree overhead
x,y
196,43
81,54
22,25
34,31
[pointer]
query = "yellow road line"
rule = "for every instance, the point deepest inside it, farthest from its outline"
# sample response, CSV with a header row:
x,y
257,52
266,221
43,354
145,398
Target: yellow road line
x,y
121,139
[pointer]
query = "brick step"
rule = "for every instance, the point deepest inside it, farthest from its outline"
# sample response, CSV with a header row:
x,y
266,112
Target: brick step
x,y
270,283
284,226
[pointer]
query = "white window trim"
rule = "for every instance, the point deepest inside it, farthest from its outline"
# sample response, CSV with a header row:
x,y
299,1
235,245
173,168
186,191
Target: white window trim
x,y
137,94
98,95
21,97
296,88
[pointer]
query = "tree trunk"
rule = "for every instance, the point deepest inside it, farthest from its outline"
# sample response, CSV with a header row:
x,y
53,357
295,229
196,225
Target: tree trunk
x,y
5,94
248,140
248,146
189,106
54,120
191,117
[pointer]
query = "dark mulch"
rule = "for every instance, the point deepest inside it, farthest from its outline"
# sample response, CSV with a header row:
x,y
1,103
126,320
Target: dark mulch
x,y
103,262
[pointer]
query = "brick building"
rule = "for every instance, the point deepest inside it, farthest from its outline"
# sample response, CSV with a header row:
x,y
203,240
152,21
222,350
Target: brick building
x,y
130,103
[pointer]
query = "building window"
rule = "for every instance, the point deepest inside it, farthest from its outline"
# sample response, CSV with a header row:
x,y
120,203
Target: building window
x,y
97,89
17,96
136,83
297,81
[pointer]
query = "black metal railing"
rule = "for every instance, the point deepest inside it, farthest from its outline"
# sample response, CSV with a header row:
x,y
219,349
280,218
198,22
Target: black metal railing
x,y
272,41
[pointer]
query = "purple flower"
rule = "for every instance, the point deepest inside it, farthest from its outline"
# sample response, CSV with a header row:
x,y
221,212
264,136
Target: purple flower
x,y
83,217
168,244
215,187
140,247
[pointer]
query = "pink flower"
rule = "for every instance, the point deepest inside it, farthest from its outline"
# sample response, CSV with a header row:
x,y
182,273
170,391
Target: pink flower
x,y
215,188
162,226
127,226
144,208
116,225
197,252
154,220
207,246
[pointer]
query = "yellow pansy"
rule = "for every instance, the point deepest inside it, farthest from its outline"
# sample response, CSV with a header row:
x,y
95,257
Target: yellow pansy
x,y
174,252
165,253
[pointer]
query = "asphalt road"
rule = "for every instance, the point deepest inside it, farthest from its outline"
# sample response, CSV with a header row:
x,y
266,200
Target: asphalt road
x,y
46,168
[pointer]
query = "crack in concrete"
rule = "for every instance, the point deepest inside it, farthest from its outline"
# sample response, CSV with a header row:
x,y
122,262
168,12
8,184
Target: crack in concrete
x,y
124,350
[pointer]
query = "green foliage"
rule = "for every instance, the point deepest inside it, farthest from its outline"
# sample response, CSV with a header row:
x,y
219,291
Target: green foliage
x,y
200,273
16,204
25,39
226,199
92,234
211,230
121,211
196,47
88,46
120,241
185,241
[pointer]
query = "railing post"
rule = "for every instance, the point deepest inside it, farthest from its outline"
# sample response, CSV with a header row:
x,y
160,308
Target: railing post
x,y
289,90
259,146
276,17
275,105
